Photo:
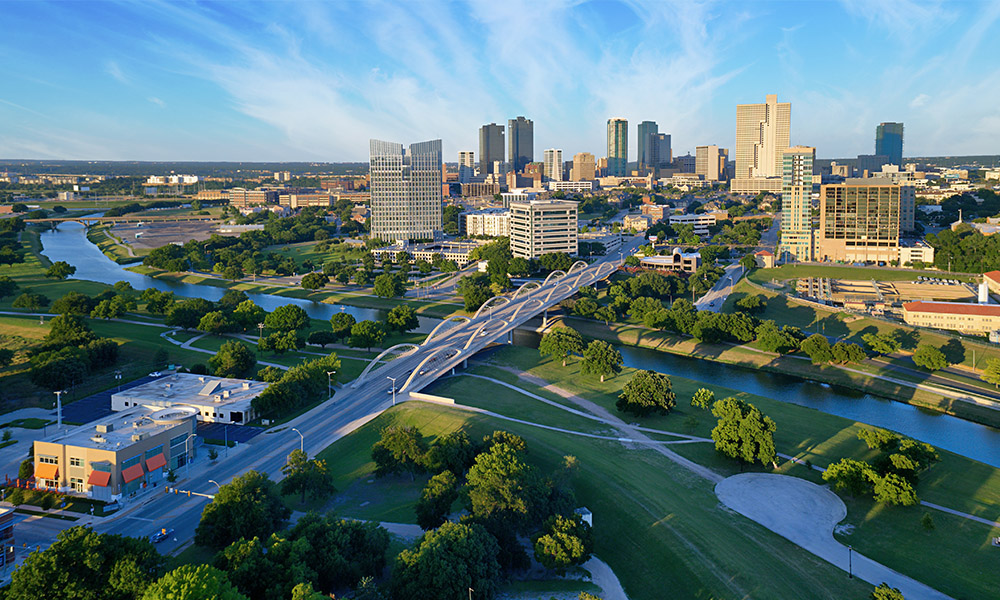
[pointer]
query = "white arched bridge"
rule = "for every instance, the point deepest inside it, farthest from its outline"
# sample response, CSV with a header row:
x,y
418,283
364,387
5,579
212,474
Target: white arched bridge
x,y
411,367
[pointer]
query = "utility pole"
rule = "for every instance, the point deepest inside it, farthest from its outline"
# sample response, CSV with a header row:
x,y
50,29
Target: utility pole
x,y
302,439
393,379
59,408
329,386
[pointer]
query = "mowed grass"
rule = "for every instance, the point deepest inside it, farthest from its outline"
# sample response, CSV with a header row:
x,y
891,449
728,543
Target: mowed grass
x,y
304,251
657,525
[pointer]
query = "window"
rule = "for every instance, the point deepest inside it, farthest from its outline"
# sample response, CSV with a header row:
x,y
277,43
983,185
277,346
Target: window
x,y
77,484
76,462
49,460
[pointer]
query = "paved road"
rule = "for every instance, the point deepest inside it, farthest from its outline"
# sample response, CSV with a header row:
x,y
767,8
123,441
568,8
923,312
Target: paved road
x,y
715,297
769,239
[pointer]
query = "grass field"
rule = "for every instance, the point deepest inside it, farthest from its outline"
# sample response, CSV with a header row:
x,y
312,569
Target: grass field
x,y
112,247
304,251
786,272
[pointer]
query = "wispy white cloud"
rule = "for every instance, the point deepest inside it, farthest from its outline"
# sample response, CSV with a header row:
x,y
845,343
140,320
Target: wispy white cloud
x,y
112,68
157,101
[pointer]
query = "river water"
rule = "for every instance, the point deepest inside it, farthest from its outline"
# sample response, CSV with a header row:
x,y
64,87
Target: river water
x,y
979,442
69,243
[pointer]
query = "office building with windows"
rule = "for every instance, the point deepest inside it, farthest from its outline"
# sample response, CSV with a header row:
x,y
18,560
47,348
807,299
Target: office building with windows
x,y
466,166
796,203
553,164
520,142
540,227
646,130
762,136
710,162
584,167
861,220
660,154
889,142
617,148
491,150
405,190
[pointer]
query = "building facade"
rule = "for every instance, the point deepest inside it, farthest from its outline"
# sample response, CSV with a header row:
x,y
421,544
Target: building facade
x,y
553,164
637,222
762,136
861,220
617,147
466,166
710,162
491,150
979,319
244,198
889,142
494,222
870,164
521,143
646,130
584,167
540,227
216,399
405,190
660,154
796,203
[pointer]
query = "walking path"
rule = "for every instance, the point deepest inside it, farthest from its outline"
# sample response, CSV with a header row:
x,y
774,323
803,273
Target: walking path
x,y
187,346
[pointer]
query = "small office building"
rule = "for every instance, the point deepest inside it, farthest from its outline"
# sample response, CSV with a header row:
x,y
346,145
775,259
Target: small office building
x,y
215,399
120,456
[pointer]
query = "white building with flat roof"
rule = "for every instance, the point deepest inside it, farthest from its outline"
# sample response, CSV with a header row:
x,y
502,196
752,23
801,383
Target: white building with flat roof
x,y
494,222
540,227
216,399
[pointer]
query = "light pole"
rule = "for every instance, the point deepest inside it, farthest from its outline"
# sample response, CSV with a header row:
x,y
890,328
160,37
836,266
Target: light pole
x,y
260,335
393,379
59,408
118,378
302,440
190,454
850,565
329,386
216,484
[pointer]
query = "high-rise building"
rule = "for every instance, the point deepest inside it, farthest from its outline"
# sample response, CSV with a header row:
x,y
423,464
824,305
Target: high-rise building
x,y
870,164
617,147
553,164
521,142
762,135
710,162
860,220
490,148
584,167
540,227
889,142
405,190
646,130
686,163
466,166
660,155
796,203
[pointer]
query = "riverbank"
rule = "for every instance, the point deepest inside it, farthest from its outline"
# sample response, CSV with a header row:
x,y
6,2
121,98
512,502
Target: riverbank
x,y
112,247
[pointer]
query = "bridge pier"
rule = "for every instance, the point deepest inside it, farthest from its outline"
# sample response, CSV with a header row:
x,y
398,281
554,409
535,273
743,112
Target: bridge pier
x,y
545,318
510,336
465,363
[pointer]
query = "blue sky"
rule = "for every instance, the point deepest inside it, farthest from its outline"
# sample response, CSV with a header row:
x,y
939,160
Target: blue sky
x,y
274,81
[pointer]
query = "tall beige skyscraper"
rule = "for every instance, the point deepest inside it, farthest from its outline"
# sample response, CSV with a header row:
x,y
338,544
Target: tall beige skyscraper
x,y
617,147
405,190
796,203
553,164
466,165
710,162
584,167
762,136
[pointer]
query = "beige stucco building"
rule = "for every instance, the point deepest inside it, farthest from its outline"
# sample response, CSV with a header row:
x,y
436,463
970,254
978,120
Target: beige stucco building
x,y
540,227
957,316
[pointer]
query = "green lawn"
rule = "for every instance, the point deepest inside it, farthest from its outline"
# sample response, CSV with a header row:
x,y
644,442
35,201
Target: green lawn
x,y
785,272
304,251
112,246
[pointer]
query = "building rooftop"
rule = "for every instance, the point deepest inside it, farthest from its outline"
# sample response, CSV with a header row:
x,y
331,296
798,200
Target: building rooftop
x,y
122,429
867,181
953,308
992,275
195,390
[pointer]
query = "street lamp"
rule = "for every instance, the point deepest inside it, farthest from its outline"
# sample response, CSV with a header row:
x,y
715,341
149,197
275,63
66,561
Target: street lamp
x,y
393,379
59,408
260,335
190,454
329,386
118,378
850,566
216,484
302,439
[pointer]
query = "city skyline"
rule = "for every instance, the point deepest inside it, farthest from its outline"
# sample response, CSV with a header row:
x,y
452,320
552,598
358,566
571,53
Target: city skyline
x,y
309,81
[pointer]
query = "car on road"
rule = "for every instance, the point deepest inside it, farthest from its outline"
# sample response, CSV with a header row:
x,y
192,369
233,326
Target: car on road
x,y
161,535
156,374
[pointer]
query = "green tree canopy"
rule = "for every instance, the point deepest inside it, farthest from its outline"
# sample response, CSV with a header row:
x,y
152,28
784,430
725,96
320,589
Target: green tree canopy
x,y
289,317
446,563
703,398
399,449
67,330
341,324
564,542
500,484
930,358
851,476
367,334
306,476
402,318
991,374
248,507
193,582
601,358
436,499
73,303
884,591
817,347
388,285
648,392
882,343
60,270
560,342
743,432
233,359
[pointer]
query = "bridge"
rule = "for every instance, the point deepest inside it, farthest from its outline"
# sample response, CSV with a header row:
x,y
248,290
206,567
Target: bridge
x,y
130,218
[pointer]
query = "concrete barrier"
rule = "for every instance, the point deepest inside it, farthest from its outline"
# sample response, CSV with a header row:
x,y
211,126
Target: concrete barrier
x,y
431,398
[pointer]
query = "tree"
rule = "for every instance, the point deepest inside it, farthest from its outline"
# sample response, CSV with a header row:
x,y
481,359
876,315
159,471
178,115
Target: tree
x,y
314,281
188,313
772,339
6,356
600,358
453,452
882,343
560,342
233,359
367,334
436,499
30,300
501,485
703,398
101,353
817,347
927,522
85,565
60,270
402,318
648,392
215,322
748,262
446,563
564,542
399,449
321,338
886,592
281,342
474,289
930,358
893,490
991,374
341,323
8,287
26,469
287,318
248,507
743,432
878,438
193,582
73,303
388,285
67,330
844,352
307,476
586,307
851,476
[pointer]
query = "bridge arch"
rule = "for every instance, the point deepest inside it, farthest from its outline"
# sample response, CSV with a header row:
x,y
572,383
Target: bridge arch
x,y
475,335
446,323
397,350
537,301
418,368
527,288
558,287
577,266
492,303
561,273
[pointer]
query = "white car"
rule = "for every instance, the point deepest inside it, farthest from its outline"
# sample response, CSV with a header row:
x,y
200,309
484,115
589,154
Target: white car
x,y
156,374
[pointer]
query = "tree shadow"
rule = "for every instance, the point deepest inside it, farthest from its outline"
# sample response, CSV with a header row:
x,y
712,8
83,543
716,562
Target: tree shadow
x,y
954,351
908,339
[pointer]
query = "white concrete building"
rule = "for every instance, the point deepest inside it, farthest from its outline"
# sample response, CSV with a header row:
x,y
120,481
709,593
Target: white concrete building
x,y
553,165
540,227
490,221
571,186
216,399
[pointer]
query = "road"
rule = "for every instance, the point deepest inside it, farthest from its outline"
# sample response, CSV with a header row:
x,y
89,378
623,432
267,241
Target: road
x,y
351,407
715,297
769,239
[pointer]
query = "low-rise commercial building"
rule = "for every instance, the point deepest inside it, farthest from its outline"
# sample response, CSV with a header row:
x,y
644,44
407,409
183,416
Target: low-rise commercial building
x,y
992,279
571,186
493,222
637,222
980,319
677,260
656,212
540,227
243,198
215,399
295,201
120,456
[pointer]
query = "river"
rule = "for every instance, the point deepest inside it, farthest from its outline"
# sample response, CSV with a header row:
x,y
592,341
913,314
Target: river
x,y
69,243
979,442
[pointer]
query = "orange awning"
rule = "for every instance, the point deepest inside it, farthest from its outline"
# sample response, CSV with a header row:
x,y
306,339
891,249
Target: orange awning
x,y
132,473
157,462
99,478
46,471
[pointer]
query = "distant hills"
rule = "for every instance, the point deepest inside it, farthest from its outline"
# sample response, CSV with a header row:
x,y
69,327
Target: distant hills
x,y
139,168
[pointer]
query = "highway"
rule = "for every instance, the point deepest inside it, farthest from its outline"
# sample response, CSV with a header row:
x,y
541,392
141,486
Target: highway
x,y
412,367
715,297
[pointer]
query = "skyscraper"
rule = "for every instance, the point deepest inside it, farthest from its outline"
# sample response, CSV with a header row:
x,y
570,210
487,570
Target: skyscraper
x,y
521,142
646,130
405,190
466,165
796,203
584,167
553,164
861,220
710,162
889,142
762,134
490,148
660,155
617,147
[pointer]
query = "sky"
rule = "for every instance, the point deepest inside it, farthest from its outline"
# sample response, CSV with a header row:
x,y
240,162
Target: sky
x,y
314,81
